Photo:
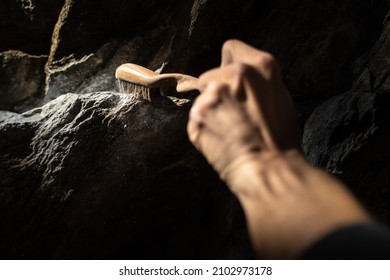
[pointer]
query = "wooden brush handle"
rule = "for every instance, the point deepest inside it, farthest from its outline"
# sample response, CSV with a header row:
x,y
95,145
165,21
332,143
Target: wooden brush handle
x,y
140,75
186,83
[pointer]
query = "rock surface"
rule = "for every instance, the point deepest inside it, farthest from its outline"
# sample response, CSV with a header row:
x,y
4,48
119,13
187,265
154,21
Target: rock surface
x,y
348,135
27,25
100,175
22,79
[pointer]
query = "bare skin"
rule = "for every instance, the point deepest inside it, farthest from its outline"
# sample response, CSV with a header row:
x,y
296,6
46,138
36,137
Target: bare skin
x,y
244,123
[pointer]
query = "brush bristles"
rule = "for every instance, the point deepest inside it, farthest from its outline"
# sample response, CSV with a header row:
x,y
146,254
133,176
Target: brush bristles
x,y
138,91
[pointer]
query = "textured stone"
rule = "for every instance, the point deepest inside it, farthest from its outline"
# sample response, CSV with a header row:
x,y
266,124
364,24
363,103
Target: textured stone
x,y
340,127
349,134
22,79
95,72
102,175
314,41
95,23
372,69
27,25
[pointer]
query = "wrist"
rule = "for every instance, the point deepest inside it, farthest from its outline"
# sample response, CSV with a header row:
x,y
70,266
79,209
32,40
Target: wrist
x,y
250,173
281,193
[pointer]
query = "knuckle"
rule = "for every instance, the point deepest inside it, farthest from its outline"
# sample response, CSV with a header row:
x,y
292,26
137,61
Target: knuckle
x,y
207,77
204,81
267,63
228,44
228,50
216,87
203,78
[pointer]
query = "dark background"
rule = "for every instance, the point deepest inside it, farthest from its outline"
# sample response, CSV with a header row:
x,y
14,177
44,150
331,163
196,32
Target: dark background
x,y
96,175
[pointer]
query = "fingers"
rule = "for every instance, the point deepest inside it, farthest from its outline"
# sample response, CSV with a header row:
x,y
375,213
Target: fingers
x,y
211,95
252,78
231,77
193,130
273,110
235,51
242,82
273,105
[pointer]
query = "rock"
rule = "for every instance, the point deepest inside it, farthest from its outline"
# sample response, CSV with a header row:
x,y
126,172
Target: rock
x,y
372,69
6,114
103,176
95,72
315,41
315,60
22,79
91,39
70,78
201,29
96,23
348,135
27,25
339,128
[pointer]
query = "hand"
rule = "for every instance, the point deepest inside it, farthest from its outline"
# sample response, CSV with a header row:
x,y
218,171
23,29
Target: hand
x,y
244,123
255,112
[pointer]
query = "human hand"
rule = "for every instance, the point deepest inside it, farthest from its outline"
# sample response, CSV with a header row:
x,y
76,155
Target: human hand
x,y
244,123
243,109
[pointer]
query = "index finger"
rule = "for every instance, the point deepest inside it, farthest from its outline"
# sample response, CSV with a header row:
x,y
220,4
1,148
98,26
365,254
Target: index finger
x,y
235,51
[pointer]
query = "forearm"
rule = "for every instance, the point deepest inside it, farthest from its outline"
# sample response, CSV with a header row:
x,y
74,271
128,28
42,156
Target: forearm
x,y
243,114
272,184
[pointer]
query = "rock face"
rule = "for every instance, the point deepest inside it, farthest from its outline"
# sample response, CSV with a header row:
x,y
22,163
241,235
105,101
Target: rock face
x,y
22,79
101,175
27,25
348,134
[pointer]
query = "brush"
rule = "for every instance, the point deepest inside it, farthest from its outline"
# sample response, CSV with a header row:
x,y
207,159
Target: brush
x,y
138,80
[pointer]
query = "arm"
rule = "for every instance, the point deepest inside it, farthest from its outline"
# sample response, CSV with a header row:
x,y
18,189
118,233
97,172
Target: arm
x,y
244,123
